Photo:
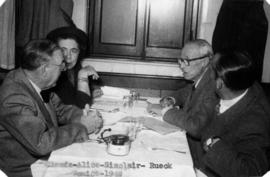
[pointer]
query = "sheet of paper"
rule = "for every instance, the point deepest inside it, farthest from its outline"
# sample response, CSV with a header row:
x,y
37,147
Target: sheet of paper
x,y
154,124
115,91
172,141
112,118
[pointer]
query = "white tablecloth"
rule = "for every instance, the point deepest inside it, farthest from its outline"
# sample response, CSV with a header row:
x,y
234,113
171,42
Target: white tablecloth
x,y
91,158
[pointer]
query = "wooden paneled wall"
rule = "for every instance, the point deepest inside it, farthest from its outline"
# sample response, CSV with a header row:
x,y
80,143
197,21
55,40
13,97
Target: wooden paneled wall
x,y
146,85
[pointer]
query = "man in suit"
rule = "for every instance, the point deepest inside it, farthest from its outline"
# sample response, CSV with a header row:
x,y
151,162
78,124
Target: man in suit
x,y
30,127
192,107
235,143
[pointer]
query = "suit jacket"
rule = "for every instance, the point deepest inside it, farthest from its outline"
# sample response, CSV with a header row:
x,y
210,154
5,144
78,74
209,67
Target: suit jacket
x,y
27,131
197,110
243,130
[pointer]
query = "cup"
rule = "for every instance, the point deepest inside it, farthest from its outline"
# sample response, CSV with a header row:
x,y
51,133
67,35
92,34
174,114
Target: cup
x,y
128,103
135,95
134,128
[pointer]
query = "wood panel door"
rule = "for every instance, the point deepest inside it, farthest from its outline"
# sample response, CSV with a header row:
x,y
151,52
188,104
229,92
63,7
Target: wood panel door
x,y
118,27
168,27
141,29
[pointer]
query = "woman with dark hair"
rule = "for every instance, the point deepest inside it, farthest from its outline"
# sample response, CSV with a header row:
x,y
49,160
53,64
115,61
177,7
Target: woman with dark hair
x,y
73,84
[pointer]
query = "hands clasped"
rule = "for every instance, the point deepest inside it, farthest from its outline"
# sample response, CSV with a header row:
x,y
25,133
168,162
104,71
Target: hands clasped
x,y
91,119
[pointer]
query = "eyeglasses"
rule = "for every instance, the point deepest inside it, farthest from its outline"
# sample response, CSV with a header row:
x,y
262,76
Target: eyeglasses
x,y
188,61
61,66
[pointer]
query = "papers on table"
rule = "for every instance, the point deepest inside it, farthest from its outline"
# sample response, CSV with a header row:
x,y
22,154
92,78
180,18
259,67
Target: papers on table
x,y
112,118
106,107
137,113
115,92
151,140
158,126
156,146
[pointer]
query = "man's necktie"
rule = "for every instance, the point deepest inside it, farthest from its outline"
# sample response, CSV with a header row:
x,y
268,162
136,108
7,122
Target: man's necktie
x,y
189,97
45,94
192,91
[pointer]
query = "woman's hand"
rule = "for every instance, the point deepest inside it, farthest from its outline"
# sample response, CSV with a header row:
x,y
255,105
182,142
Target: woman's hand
x,y
97,93
88,71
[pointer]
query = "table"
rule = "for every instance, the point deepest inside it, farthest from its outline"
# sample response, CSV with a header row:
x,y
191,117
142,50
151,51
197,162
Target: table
x,y
91,159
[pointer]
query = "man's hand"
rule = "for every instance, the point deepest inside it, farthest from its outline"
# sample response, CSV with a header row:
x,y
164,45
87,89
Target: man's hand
x,y
154,109
91,119
88,71
167,103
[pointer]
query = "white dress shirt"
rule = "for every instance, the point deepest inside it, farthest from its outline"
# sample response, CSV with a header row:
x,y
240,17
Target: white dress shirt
x,y
226,104
38,90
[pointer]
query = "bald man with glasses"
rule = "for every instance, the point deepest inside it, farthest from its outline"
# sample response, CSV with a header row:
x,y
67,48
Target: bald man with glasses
x,y
192,107
188,61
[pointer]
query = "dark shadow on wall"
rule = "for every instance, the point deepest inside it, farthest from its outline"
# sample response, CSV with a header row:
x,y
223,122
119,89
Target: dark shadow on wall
x,y
242,25
35,18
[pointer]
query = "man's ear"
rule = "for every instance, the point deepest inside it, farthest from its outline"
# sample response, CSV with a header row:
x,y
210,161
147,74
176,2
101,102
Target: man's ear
x,y
206,62
44,70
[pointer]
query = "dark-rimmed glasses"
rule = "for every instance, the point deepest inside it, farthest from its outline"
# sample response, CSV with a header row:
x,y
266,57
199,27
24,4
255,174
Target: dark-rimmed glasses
x,y
188,61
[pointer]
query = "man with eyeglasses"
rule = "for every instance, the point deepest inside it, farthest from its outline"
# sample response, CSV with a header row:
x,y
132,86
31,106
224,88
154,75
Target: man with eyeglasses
x,y
192,107
32,127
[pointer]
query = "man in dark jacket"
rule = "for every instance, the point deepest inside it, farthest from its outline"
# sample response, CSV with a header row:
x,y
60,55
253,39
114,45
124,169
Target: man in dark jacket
x,y
195,104
235,143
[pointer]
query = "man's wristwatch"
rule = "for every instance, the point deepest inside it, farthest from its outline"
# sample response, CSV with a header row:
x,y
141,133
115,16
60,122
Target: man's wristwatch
x,y
211,141
208,142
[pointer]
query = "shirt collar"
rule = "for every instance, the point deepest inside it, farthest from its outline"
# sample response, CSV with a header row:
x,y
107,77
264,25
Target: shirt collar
x,y
37,89
226,104
200,78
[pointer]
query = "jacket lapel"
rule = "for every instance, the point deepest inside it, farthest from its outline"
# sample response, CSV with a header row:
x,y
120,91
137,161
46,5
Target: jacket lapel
x,y
28,86
206,79
237,109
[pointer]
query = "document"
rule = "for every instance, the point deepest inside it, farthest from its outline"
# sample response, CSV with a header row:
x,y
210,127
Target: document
x,y
158,126
114,92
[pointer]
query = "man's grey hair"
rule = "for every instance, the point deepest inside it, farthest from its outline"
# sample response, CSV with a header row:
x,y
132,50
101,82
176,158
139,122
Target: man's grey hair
x,y
204,47
36,53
